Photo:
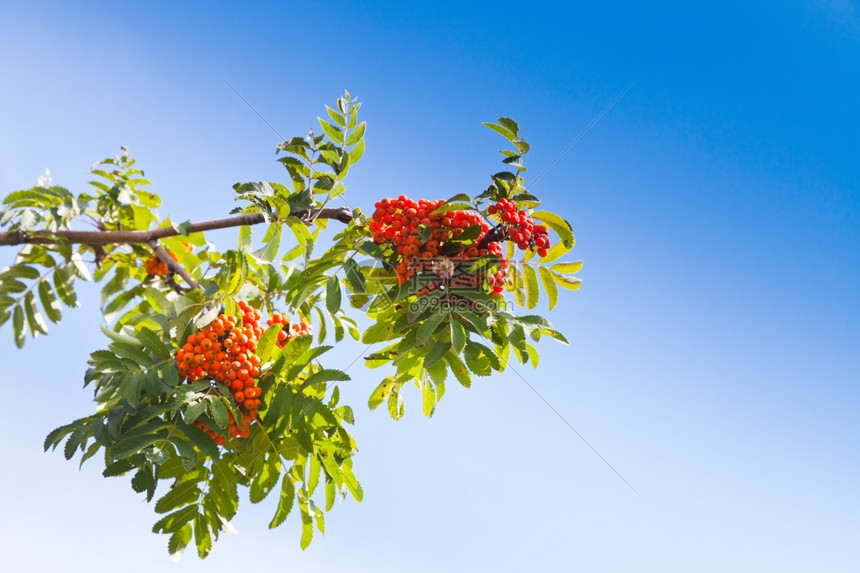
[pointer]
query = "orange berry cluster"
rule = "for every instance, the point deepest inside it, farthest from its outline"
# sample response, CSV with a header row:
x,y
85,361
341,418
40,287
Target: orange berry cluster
x,y
520,227
401,223
225,352
155,266
288,331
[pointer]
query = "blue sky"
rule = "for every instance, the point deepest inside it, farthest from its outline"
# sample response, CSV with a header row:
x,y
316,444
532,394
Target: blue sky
x,y
714,355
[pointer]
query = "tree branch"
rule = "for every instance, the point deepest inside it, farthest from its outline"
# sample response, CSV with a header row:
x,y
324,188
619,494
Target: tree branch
x,y
93,238
174,267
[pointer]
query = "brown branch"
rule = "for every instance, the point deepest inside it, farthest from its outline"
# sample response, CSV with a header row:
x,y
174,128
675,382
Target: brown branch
x,y
93,238
174,267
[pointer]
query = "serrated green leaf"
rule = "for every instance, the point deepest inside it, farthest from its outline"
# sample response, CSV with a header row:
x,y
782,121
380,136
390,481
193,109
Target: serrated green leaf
x,y
186,450
548,283
356,134
436,352
18,325
307,527
380,393
429,326
154,344
531,284
567,282
179,541
49,302
285,503
175,520
64,285
34,318
325,375
202,536
270,250
501,130
265,480
562,228
332,294
180,495
458,336
567,268
334,133
132,445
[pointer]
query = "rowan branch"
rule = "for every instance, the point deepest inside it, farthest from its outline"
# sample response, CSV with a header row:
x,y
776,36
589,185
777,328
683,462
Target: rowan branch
x,y
94,238
174,267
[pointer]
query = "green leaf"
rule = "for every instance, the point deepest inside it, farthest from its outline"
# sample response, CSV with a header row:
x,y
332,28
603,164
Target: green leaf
x,y
531,284
285,503
325,375
200,439
552,333
461,373
458,336
132,445
49,301
557,224
270,250
378,396
352,484
548,283
334,133
218,411
267,344
56,435
336,116
175,520
18,325
356,152
332,294
569,283
356,134
567,268
503,131
131,387
179,541
428,396
117,337
186,451
64,284
436,352
429,326
307,526
154,344
245,238
80,268
182,494
354,276
34,318
510,125
266,479
74,441
202,536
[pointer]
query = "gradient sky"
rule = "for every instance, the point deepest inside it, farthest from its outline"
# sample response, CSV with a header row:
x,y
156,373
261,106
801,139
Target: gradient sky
x,y
714,358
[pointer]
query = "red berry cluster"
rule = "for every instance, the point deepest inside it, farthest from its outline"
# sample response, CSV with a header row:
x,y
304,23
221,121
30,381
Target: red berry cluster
x,y
520,227
155,266
401,223
225,352
288,331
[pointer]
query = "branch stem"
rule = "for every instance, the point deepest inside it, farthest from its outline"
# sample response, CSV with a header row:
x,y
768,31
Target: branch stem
x,y
93,238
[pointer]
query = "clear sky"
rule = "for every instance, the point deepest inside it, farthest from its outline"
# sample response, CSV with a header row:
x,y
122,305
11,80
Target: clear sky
x,y
714,358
